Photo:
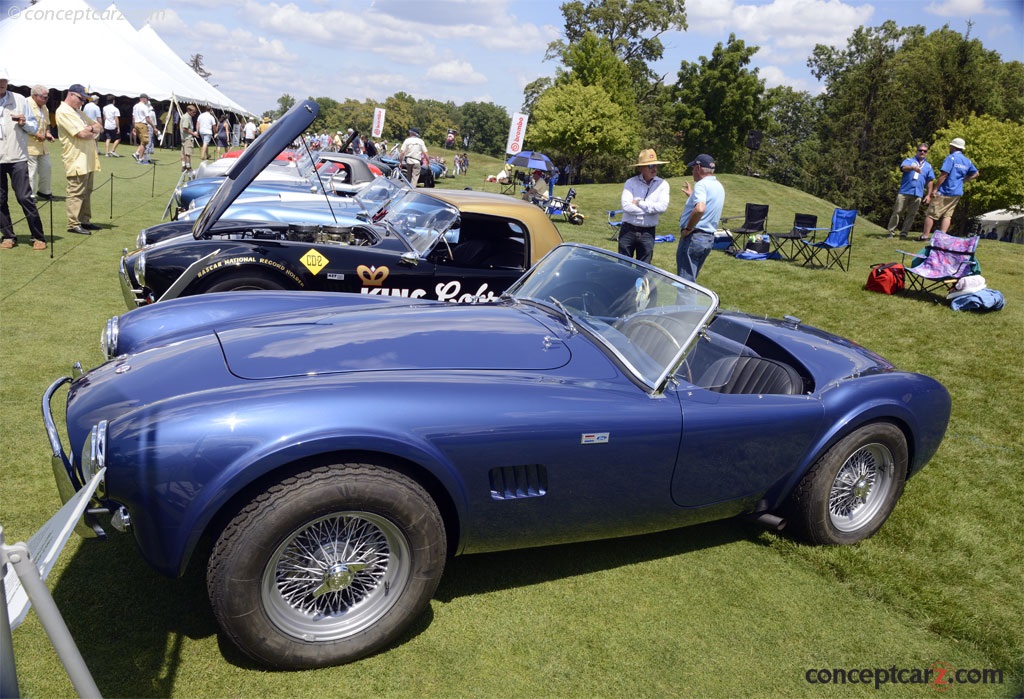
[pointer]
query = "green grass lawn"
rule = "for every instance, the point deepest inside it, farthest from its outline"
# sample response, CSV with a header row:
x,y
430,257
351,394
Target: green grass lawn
x,y
722,610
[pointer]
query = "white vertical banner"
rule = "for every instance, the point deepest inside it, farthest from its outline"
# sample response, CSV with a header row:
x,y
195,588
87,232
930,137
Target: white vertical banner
x,y
378,122
516,133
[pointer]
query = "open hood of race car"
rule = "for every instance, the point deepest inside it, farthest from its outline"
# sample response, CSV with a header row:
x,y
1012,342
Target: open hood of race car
x,y
446,337
252,162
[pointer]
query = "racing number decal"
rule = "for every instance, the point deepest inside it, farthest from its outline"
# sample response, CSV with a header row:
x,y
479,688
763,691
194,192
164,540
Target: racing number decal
x,y
314,261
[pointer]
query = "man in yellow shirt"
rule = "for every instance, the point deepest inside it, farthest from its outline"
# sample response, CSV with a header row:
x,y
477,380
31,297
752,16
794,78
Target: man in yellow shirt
x,y
78,134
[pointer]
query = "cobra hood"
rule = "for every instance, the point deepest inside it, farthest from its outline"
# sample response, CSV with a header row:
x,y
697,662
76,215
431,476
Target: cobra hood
x,y
253,161
443,338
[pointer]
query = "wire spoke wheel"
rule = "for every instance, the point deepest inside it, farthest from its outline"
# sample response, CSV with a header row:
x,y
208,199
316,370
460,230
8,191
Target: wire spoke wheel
x,y
852,489
335,576
327,565
861,487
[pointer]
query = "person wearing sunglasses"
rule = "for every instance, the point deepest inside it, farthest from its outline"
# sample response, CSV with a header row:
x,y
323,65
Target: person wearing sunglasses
x,y
916,182
645,197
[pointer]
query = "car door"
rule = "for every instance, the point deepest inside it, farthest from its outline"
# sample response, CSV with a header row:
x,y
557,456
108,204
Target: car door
x,y
736,446
480,259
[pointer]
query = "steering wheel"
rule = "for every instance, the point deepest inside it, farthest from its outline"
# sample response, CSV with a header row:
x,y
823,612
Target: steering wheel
x,y
634,324
588,302
451,255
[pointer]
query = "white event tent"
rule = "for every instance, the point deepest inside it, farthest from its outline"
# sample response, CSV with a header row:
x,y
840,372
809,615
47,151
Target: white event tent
x,y
61,42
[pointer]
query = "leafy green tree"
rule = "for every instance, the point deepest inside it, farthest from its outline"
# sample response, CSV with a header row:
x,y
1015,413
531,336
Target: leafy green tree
x,y
717,101
887,89
789,139
577,122
434,118
632,27
591,61
865,125
284,103
399,117
486,125
534,90
995,148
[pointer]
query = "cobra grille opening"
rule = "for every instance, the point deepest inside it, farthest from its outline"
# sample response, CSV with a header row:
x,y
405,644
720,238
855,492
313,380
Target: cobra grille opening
x,y
527,481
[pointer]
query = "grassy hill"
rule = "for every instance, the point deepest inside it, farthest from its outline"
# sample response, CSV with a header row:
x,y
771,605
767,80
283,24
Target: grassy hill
x,y
718,610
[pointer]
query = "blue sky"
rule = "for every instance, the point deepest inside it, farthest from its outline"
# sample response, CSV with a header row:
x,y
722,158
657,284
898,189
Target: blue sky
x,y
488,50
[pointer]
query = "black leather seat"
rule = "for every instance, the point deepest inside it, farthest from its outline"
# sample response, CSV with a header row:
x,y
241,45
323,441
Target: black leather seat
x,y
471,253
752,375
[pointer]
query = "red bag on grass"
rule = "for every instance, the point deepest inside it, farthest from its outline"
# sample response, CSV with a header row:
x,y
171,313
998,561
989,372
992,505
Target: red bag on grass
x,y
886,278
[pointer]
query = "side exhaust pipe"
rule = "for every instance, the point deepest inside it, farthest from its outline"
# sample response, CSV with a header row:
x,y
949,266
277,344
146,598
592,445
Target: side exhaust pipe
x,y
768,520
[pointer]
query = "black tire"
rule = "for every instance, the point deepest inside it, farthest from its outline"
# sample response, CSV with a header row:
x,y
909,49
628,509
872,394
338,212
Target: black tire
x,y
376,541
249,280
851,490
576,219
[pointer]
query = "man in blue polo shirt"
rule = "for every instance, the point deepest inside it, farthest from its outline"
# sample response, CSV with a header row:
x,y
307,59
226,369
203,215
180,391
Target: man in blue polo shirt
x,y
917,176
700,217
949,187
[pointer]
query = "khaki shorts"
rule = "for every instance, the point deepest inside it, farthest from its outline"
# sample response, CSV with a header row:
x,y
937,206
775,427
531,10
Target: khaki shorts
x,y
142,132
186,146
942,206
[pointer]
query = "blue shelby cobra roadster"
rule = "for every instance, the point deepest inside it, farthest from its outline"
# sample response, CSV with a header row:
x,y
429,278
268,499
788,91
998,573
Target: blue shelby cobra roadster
x,y
335,449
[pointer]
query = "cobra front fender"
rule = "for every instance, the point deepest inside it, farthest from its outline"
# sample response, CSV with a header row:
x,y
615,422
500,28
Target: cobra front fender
x,y
919,405
262,464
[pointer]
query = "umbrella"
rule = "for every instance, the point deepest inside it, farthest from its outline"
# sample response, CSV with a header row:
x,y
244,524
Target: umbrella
x,y
531,160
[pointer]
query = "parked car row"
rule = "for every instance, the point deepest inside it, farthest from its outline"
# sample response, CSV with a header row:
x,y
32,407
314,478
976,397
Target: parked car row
x,y
335,449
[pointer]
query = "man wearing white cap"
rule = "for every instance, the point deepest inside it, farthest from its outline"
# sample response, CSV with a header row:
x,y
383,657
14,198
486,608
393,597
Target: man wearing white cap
x,y
16,124
645,198
949,187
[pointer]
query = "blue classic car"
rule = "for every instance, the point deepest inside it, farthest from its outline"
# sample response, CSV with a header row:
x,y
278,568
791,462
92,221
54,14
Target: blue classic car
x,y
335,449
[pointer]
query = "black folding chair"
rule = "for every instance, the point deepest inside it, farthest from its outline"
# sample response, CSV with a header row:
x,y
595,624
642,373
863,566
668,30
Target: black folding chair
x,y
785,244
755,222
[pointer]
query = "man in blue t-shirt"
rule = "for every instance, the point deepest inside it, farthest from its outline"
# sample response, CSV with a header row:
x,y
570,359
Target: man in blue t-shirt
x,y
949,187
700,217
918,175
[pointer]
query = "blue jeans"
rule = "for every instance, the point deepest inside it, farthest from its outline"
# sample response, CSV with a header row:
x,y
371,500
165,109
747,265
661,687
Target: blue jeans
x,y
634,242
691,253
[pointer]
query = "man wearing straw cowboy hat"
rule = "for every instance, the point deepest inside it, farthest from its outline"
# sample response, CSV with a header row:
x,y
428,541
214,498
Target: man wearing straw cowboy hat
x,y
644,199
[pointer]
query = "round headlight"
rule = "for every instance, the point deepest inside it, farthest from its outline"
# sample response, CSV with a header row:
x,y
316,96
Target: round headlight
x,y
140,269
94,455
108,338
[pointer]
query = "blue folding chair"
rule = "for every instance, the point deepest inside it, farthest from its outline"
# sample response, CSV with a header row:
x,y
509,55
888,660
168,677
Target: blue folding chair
x,y
836,247
615,221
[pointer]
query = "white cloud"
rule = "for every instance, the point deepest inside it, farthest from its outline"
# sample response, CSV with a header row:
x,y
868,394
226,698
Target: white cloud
x,y
775,76
167,21
458,72
790,26
962,8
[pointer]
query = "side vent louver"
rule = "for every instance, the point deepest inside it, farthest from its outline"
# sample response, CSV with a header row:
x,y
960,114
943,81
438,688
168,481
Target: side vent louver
x,y
529,481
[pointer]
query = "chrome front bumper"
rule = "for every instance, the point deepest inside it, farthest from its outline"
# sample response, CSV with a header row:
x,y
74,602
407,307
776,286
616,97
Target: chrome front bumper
x,y
133,296
68,479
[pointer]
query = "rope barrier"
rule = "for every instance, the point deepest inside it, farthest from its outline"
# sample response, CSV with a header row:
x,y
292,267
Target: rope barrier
x,y
48,204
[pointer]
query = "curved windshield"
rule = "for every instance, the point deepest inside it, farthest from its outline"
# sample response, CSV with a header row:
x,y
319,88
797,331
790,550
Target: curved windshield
x,y
422,220
378,194
644,315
